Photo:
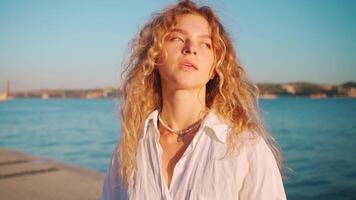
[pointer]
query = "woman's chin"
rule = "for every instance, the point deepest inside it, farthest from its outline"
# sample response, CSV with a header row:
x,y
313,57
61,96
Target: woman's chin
x,y
184,83
188,85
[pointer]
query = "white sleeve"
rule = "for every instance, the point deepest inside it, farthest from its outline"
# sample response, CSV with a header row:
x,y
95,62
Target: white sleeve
x,y
263,180
113,188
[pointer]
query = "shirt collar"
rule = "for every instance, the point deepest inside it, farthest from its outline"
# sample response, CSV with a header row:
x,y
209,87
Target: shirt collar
x,y
216,128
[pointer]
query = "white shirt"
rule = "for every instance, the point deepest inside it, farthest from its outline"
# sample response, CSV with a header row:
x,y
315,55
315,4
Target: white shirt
x,y
201,172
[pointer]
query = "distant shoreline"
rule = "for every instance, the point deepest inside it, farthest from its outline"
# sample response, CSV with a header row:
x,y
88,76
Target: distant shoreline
x,y
266,91
116,98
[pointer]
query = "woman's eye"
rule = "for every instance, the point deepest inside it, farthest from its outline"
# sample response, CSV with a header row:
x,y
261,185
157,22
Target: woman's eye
x,y
207,45
177,39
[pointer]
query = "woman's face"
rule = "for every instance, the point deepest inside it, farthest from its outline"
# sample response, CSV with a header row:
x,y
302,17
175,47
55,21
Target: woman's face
x,y
190,57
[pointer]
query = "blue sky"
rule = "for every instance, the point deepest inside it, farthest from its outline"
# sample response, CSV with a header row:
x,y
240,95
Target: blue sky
x,y
80,44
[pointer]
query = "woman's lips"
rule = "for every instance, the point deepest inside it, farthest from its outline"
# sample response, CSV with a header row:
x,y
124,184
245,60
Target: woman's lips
x,y
187,66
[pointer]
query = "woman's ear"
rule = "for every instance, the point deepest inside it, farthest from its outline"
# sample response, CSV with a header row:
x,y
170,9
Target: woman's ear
x,y
158,62
160,59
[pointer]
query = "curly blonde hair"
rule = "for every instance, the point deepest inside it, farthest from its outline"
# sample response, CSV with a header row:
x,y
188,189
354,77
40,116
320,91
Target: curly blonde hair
x,y
232,96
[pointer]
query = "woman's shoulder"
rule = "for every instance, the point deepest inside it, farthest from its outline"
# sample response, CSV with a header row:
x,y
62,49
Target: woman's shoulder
x,y
258,152
263,180
254,143
224,131
251,145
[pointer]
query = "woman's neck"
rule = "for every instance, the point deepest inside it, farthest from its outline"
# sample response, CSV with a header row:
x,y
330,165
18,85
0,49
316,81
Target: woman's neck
x,y
182,108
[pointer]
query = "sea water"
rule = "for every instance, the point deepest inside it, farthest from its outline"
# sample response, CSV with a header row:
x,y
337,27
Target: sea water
x,y
317,137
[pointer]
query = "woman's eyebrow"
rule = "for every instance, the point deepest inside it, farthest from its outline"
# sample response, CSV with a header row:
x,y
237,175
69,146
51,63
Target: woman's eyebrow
x,y
207,36
179,30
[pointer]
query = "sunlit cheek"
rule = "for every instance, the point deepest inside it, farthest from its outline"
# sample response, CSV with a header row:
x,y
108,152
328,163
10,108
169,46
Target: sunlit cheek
x,y
173,49
209,62
208,56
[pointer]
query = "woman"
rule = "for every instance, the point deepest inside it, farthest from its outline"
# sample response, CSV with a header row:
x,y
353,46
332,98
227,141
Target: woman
x,y
191,128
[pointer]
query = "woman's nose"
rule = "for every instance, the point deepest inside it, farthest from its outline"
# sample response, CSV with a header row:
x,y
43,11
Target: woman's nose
x,y
189,49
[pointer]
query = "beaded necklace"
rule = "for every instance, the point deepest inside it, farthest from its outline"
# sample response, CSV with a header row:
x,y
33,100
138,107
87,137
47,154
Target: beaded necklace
x,y
183,132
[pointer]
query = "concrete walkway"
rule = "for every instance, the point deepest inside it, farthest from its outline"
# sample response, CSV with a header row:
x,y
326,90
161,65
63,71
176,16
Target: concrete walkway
x,y
23,176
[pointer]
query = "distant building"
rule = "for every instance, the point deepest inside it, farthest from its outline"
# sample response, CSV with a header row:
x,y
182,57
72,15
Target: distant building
x,y
94,95
7,95
318,96
45,96
289,88
327,87
107,91
3,97
352,92
268,96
